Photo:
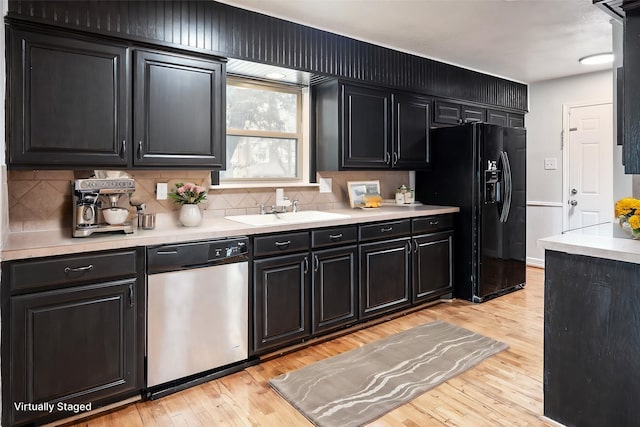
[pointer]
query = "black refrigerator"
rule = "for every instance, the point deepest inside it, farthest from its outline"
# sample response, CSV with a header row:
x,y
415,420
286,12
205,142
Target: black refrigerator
x,y
482,169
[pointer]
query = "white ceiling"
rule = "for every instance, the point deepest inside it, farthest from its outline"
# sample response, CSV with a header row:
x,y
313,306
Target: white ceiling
x,y
523,40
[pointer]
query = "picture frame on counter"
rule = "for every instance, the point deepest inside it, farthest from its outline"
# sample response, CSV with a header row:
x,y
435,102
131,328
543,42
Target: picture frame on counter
x,y
359,191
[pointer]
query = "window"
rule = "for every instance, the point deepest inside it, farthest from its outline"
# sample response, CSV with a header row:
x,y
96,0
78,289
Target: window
x,y
264,132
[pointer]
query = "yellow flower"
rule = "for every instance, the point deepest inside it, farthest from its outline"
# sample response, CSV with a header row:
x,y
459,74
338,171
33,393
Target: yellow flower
x,y
626,206
634,221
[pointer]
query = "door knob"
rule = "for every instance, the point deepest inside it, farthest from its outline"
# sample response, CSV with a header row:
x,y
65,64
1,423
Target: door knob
x,y
574,191
573,202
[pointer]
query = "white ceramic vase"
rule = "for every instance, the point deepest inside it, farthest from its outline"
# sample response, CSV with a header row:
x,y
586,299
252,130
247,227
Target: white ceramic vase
x,y
190,215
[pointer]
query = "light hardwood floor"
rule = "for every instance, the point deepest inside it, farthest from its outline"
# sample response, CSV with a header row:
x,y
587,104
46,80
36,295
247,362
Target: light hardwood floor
x,y
504,390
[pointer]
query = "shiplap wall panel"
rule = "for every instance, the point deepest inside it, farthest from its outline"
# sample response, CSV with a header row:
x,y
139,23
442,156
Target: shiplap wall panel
x,y
228,31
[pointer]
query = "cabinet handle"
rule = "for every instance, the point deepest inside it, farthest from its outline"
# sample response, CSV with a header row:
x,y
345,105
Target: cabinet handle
x,y
409,247
132,301
384,230
306,265
123,149
283,245
139,149
395,157
436,222
317,263
78,269
415,242
387,157
335,236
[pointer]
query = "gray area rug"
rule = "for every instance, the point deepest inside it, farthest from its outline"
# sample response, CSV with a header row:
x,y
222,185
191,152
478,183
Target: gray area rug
x,y
361,385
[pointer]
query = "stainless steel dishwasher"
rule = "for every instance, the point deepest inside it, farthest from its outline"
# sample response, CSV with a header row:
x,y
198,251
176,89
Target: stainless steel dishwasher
x,y
197,315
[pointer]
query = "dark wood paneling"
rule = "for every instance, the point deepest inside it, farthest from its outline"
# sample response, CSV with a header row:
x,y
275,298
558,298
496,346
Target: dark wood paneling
x,y
221,29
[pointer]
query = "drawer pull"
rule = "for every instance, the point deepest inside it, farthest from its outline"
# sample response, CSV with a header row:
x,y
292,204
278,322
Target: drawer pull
x,y
436,222
78,269
335,236
282,245
384,230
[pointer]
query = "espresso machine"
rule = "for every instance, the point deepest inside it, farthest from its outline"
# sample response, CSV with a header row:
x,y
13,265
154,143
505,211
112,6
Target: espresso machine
x,y
92,194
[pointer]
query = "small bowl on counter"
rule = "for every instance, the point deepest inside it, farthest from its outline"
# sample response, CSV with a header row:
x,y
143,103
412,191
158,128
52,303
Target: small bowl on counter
x,y
115,215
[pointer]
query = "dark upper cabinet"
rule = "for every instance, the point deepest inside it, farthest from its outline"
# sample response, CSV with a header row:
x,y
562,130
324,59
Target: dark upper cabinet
x,y
451,113
473,114
71,101
68,101
178,111
366,134
447,112
631,91
357,129
503,118
411,124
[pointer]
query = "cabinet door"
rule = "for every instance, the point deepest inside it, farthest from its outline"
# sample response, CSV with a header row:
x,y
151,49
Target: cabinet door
x,y
447,112
495,117
365,128
432,266
68,102
75,345
412,121
281,311
384,276
473,114
516,120
334,287
178,111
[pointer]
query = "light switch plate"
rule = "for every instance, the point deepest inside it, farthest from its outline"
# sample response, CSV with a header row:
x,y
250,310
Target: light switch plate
x,y
161,191
325,185
550,163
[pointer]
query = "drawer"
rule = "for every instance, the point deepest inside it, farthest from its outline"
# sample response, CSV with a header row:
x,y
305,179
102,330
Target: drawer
x,y
66,270
383,230
280,244
334,236
430,224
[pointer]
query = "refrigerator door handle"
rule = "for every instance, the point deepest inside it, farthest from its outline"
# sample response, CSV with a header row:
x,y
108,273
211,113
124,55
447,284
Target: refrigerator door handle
x,y
506,176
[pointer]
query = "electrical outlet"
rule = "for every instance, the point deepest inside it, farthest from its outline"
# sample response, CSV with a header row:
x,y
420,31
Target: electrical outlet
x,y
325,185
550,163
161,191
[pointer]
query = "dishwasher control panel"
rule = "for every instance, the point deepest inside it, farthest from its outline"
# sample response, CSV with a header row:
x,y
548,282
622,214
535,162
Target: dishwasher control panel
x,y
183,256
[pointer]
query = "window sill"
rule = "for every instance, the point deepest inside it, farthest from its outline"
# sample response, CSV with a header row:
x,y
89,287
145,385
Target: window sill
x,y
265,185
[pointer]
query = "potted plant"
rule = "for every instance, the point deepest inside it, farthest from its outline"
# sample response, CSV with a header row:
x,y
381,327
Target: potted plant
x,y
188,196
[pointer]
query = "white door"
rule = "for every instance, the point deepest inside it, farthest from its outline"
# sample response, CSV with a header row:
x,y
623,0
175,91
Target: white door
x,y
589,190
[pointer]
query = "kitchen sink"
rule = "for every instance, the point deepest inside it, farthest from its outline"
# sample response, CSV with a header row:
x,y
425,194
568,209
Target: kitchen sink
x,y
286,218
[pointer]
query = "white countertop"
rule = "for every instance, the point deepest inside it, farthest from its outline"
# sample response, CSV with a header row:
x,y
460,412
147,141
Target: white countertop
x,y
59,242
601,241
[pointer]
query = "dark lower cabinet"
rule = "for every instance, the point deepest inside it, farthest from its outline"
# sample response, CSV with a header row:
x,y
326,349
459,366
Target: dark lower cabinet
x,y
68,101
335,288
281,301
591,340
432,266
385,276
79,344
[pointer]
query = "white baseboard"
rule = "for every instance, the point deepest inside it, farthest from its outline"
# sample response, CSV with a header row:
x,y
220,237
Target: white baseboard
x,y
535,262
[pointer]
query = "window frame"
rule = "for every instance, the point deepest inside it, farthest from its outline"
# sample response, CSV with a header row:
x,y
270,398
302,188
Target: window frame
x,y
301,134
